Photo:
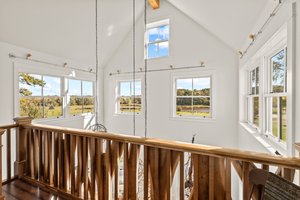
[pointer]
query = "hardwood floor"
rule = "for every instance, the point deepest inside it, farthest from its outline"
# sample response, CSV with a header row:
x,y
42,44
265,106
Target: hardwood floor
x,y
19,190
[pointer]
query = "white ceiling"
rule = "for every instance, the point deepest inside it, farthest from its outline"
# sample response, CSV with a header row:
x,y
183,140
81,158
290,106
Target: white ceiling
x,y
66,28
229,20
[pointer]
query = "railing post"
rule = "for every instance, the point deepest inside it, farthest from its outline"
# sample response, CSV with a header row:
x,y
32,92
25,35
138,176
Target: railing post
x,y
21,143
1,133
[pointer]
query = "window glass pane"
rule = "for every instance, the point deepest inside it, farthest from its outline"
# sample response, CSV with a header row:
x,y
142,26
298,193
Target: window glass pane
x,y
164,32
125,89
152,50
257,80
32,107
136,104
52,86
278,72
184,87
88,104
74,87
283,118
153,34
30,84
201,86
253,82
125,104
163,49
87,88
75,105
275,116
201,107
184,106
256,111
138,88
52,107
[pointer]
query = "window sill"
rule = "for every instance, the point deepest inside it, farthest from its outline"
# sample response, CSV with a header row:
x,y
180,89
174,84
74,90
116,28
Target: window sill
x,y
193,119
270,145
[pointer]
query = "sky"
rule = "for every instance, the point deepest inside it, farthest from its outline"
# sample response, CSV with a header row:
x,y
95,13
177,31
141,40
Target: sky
x,y
126,88
198,83
52,87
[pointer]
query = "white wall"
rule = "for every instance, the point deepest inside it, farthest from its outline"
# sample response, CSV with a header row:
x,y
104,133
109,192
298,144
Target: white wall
x,y
7,83
189,45
249,139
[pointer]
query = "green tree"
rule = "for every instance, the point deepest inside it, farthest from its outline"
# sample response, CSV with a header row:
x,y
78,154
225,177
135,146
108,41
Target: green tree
x,y
27,79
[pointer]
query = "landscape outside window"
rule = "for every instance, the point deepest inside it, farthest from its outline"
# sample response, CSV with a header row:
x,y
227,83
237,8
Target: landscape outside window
x,y
40,96
81,97
253,98
127,101
277,102
193,97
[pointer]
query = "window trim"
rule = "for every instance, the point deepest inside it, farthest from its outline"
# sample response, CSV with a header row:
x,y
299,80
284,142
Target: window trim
x,y
191,74
117,97
152,25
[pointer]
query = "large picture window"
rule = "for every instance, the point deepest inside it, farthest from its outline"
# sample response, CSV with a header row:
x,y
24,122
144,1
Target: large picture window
x,y
129,98
253,98
276,99
193,97
40,96
81,95
157,39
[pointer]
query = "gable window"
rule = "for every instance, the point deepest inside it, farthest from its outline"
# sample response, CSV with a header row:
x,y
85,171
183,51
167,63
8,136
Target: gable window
x,y
81,95
276,98
193,97
40,96
253,98
157,39
129,98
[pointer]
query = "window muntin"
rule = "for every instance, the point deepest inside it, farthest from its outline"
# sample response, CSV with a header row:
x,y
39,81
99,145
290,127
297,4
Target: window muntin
x,y
253,98
276,99
40,96
81,95
157,39
193,97
129,97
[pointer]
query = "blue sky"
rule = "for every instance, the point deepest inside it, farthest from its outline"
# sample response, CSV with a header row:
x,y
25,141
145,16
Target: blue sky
x,y
126,88
158,49
199,83
52,87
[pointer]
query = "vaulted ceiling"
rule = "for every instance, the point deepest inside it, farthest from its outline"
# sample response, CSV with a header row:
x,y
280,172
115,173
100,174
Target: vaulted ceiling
x,y
66,28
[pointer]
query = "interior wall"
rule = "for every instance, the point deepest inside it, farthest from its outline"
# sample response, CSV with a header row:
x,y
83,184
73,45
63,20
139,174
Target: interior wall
x,y
247,139
189,45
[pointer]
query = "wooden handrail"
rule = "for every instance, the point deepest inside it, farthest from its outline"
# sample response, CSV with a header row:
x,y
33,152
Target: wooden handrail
x,y
235,154
9,126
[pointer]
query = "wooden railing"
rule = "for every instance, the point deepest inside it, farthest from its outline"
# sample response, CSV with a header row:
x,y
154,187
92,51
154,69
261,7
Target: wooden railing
x,y
80,164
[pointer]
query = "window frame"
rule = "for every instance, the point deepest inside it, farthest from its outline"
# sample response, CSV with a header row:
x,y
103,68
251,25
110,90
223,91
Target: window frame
x,y
269,94
250,97
195,74
153,25
118,95
50,70
82,97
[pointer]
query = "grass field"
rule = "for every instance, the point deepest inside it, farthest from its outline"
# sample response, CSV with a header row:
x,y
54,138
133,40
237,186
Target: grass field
x,y
198,111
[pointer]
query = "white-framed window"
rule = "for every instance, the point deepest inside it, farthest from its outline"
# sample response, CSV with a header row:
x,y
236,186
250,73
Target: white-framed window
x,y
276,96
157,39
253,99
40,96
81,97
193,97
129,97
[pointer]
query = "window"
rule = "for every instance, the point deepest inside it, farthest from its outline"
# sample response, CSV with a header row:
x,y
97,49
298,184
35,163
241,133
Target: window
x,y
40,96
276,98
193,97
81,97
157,39
253,98
128,102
